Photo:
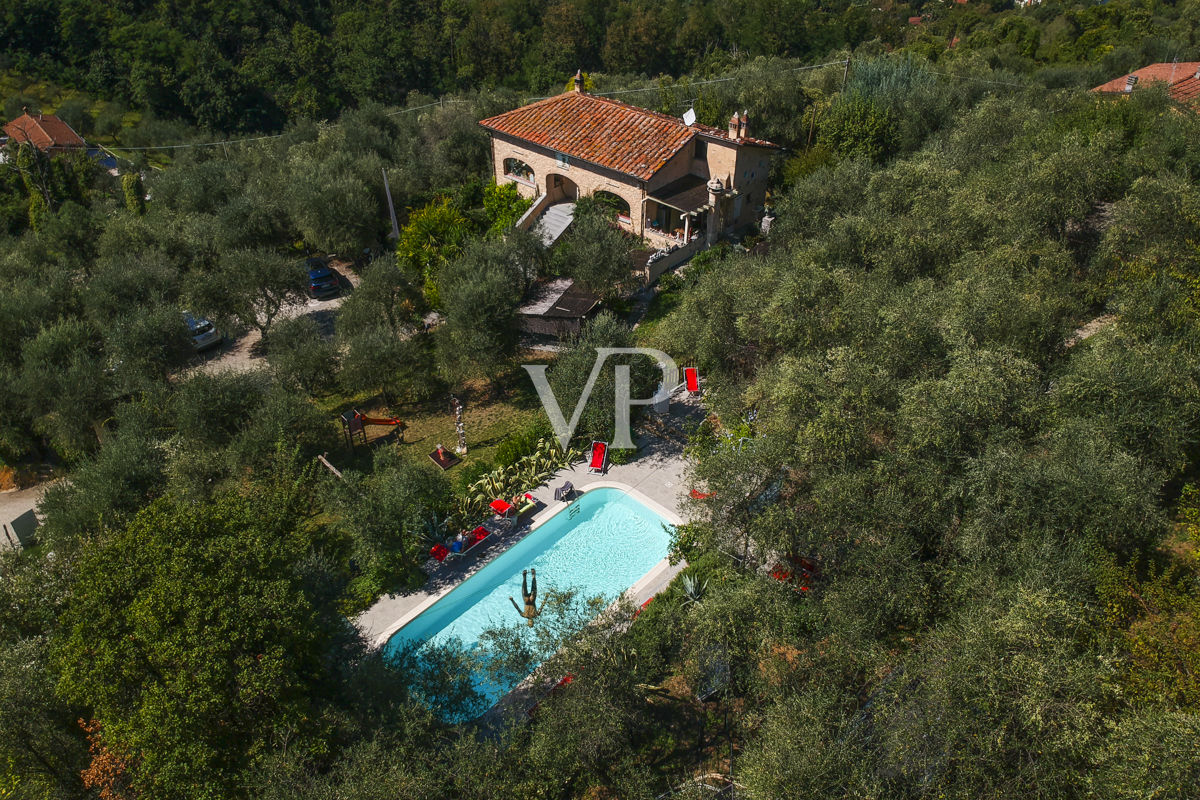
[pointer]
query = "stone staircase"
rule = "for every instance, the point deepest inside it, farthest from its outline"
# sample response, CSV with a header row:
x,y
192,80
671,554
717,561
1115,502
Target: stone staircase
x,y
553,221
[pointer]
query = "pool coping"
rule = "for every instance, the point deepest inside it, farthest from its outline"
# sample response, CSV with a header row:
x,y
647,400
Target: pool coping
x,y
658,575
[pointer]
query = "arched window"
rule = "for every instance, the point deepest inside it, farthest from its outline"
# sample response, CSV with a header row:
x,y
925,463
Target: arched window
x,y
516,168
615,202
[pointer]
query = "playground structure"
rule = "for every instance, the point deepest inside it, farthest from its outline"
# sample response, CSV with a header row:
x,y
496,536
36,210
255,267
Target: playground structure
x,y
354,426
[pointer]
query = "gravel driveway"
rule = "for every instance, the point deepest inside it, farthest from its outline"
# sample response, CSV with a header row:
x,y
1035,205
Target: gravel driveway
x,y
241,355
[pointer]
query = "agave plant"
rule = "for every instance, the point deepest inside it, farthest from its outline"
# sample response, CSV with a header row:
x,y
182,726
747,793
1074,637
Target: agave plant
x,y
433,528
693,590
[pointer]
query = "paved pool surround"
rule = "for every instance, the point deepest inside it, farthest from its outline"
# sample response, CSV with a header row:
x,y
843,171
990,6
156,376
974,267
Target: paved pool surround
x,y
655,479
657,577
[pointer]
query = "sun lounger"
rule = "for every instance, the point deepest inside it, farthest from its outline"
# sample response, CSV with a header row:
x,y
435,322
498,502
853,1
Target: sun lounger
x,y
501,507
439,551
599,462
565,492
462,545
691,378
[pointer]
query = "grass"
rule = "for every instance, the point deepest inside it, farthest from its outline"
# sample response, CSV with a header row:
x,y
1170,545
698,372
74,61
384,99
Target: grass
x,y
489,417
661,306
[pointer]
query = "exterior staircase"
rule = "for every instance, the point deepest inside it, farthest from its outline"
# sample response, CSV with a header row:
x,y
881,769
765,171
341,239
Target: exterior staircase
x,y
553,221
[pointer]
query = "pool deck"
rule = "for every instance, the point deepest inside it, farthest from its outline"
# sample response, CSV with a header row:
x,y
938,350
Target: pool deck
x,y
656,479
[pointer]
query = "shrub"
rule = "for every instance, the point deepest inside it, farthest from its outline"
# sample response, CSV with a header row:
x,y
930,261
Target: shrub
x,y
520,444
301,356
622,456
471,472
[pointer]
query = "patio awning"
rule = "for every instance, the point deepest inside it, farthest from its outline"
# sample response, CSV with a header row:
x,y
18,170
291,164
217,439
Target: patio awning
x,y
686,195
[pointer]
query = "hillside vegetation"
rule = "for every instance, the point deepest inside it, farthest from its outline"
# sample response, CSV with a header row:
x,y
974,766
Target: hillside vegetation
x,y
961,378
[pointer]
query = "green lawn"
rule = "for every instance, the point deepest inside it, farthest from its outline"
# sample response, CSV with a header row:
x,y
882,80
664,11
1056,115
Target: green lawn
x,y
488,416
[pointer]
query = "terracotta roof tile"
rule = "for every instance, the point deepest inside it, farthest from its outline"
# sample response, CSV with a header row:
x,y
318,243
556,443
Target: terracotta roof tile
x,y
1187,90
1180,78
44,131
599,130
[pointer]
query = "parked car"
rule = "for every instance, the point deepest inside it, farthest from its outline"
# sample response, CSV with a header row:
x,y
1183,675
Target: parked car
x,y
202,333
322,281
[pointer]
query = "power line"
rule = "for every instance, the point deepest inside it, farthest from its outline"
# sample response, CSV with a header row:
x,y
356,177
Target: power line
x,y
689,84
200,144
117,149
263,138
977,80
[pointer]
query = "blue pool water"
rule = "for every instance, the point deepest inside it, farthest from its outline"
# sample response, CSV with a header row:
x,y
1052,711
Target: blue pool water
x,y
600,545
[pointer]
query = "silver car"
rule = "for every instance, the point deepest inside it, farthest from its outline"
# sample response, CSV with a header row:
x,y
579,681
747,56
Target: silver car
x,y
202,333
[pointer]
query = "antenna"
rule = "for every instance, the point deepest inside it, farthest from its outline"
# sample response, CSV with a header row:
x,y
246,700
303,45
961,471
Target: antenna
x,y
689,117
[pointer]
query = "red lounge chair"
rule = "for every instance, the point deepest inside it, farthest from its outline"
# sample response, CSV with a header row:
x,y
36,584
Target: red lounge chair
x,y
478,535
469,541
691,377
642,607
501,507
599,462
439,551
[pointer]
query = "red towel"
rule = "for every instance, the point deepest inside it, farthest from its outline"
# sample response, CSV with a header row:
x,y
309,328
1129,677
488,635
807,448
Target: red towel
x,y
439,551
692,376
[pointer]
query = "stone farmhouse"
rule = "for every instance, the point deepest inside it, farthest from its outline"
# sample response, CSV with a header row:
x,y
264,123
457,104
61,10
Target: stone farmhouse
x,y
1180,78
676,185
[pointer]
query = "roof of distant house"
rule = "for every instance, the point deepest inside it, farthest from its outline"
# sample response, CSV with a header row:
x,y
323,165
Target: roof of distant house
x,y
44,131
606,132
1180,77
561,297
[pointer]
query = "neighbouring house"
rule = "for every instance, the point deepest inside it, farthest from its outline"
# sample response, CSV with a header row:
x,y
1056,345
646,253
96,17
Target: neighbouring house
x,y
672,183
557,308
46,132
1181,78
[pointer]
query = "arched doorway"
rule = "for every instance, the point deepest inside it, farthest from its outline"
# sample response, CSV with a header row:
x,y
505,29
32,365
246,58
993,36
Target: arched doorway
x,y
560,188
615,202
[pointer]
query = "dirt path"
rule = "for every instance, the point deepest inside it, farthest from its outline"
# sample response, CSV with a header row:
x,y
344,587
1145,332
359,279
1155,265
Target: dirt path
x,y
1090,329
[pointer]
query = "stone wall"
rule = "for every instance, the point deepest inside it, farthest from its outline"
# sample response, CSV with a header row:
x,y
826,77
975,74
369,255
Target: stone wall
x,y
746,168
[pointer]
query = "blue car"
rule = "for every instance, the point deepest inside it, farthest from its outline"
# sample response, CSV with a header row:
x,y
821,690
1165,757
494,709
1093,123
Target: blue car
x,y
322,281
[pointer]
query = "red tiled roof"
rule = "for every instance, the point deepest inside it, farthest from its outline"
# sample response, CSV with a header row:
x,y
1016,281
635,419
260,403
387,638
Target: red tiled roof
x,y
1187,90
1180,78
599,130
44,131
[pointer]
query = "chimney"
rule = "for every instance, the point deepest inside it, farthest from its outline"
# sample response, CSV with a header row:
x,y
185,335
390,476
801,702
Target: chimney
x,y
1130,82
735,124
744,127
579,80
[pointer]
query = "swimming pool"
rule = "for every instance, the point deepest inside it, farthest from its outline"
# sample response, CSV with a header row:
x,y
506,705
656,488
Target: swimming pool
x,y
600,545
